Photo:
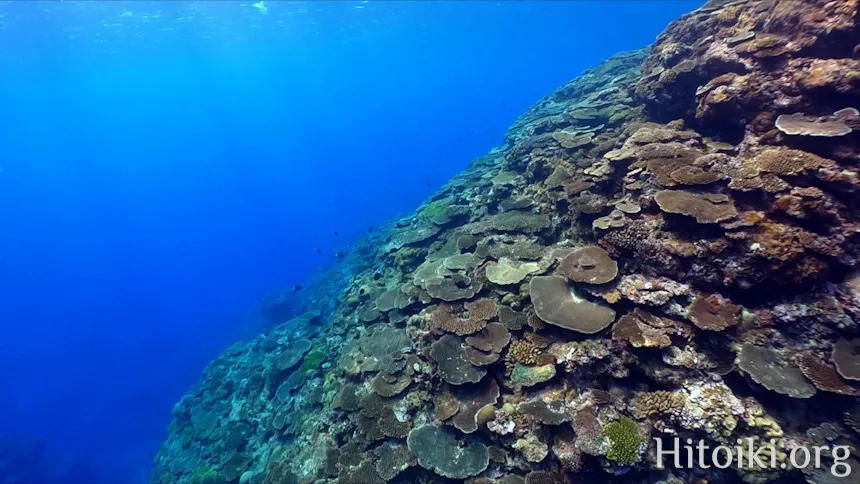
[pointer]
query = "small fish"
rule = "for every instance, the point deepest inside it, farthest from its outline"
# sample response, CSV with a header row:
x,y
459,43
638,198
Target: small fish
x,y
297,288
339,255
335,233
369,229
261,6
318,251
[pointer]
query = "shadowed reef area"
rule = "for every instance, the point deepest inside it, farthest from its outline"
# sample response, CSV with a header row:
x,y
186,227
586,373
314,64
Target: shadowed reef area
x,y
663,247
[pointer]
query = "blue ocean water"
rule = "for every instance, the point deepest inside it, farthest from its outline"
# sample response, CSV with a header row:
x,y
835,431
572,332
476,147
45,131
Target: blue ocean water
x,y
167,164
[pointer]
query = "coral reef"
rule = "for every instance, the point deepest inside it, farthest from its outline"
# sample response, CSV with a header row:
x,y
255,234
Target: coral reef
x,y
666,246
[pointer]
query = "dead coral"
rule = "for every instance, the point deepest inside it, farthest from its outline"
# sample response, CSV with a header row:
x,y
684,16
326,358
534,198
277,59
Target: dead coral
x,y
547,411
392,460
589,433
650,291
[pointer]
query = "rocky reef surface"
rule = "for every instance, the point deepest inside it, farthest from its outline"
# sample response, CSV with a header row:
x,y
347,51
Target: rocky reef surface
x,y
664,247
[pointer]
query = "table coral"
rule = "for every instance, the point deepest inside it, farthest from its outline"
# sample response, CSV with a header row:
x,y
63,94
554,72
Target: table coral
x,y
555,304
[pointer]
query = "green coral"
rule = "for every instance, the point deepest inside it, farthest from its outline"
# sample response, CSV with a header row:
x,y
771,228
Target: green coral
x,y
204,475
187,436
313,360
624,441
434,209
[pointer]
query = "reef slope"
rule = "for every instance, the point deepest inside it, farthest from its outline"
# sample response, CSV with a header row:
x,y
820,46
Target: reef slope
x,y
665,246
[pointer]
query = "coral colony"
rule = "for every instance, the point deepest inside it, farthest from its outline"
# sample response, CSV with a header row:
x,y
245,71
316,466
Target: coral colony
x,y
661,258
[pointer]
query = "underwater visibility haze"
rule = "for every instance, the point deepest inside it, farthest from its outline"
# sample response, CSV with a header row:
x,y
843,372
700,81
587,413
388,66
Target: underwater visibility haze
x,y
369,242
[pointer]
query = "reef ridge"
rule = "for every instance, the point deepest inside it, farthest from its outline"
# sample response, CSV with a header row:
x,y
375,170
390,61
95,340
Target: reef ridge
x,y
666,246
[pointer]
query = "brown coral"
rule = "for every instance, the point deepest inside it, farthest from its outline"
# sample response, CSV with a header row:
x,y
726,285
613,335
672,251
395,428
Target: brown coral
x,y
452,363
447,317
646,404
589,264
714,312
767,367
471,401
643,329
824,126
493,338
706,208
527,353
824,376
846,357
787,162
556,304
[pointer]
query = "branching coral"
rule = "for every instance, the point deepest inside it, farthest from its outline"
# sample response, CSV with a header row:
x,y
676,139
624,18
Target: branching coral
x,y
624,441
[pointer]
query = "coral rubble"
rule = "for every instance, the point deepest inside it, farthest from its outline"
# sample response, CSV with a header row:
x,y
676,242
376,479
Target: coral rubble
x,y
666,246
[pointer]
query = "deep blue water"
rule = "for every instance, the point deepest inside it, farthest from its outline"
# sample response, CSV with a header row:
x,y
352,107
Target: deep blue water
x,y
167,164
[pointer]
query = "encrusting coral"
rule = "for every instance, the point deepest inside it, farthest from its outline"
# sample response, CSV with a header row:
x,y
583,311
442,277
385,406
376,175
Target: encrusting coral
x,y
704,189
